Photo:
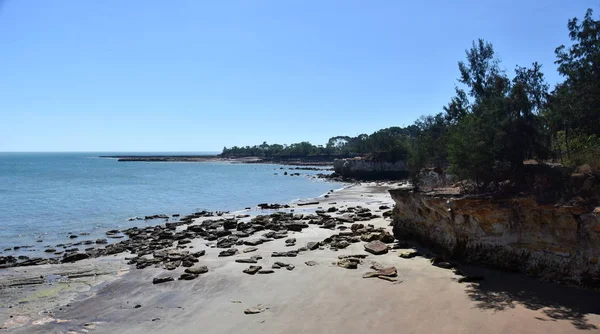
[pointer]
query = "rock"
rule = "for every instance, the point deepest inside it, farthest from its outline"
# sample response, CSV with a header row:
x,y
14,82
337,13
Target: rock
x,y
50,250
348,263
391,279
72,257
163,279
197,270
312,245
101,241
284,254
357,226
187,276
290,267
275,266
389,272
370,237
250,260
290,241
356,256
296,226
470,279
310,263
252,270
408,254
444,265
254,242
386,237
266,271
199,253
228,252
255,310
250,249
384,207
172,265
376,247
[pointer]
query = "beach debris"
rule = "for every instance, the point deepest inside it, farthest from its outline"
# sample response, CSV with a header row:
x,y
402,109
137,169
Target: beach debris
x,y
252,270
197,270
236,301
376,247
163,279
255,310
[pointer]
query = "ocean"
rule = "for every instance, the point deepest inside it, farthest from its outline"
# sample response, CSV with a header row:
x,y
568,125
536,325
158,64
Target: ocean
x,y
46,196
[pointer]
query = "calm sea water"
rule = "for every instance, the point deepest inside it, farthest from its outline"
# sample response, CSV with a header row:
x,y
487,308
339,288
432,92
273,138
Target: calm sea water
x,y
47,195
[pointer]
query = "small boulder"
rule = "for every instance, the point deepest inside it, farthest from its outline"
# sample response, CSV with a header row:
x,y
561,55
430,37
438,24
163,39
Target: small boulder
x,y
197,270
158,280
376,247
188,276
252,270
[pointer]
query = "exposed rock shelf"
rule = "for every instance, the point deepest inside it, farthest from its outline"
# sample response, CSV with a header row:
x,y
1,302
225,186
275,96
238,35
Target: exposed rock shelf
x,y
554,242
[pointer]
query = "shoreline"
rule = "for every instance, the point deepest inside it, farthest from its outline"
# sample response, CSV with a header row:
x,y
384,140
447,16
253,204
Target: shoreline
x,y
121,298
88,239
305,161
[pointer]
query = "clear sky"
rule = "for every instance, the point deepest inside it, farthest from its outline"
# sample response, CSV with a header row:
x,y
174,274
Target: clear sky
x,y
143,75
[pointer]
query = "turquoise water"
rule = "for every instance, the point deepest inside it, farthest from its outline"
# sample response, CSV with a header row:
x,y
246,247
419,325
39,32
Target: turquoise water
x,y
47,195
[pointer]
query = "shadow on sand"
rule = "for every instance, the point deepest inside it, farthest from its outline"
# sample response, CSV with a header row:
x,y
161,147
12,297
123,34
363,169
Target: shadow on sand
x,y
500,291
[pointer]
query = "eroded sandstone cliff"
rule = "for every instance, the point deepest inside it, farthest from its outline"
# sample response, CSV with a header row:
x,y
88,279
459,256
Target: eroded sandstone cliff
x,y
553,241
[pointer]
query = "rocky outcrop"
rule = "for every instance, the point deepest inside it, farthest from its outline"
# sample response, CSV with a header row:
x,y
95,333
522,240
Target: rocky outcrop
x,y
368,169
518,233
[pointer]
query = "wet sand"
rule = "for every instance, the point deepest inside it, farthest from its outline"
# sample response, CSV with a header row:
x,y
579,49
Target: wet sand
x,y
323,298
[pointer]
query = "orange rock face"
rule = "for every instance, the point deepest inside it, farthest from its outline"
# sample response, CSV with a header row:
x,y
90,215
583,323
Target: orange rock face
x,y
560,243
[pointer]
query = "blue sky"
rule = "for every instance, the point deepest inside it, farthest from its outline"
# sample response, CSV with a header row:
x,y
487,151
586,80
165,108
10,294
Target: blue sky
x,y
196,75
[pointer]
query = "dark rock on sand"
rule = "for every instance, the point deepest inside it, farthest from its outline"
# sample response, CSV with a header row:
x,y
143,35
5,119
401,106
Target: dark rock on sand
x,y
250,260
386,237
252,270
310,263
312,245
187,276
199,253
229,252
72,257
197,270
266,271
255,310
158,280
376,247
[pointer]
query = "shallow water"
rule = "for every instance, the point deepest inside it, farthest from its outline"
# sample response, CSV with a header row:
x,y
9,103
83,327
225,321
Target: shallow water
x,y
44,196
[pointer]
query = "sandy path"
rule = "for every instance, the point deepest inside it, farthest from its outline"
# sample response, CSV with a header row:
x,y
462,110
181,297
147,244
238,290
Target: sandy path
x,y
326,298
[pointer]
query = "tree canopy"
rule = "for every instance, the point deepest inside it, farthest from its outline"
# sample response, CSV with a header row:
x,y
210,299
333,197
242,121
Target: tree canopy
x,y
495,121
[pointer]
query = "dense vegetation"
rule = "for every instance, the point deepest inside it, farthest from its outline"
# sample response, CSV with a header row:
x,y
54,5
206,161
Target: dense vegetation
x,y
496,121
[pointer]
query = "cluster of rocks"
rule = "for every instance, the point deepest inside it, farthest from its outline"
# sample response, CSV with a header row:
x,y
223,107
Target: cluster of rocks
x,y
141,241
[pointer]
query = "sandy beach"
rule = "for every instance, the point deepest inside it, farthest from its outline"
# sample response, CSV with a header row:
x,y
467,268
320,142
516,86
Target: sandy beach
x,y
105,295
